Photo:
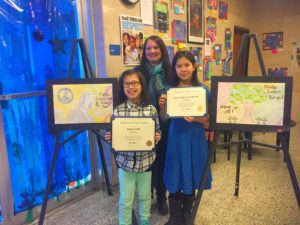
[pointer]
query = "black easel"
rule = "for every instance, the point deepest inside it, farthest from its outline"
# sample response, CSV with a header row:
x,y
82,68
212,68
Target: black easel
x,y
58,144
281,133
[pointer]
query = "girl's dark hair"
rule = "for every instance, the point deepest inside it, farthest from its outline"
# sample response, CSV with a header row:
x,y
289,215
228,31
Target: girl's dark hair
x,y
189,56
164,58
145,99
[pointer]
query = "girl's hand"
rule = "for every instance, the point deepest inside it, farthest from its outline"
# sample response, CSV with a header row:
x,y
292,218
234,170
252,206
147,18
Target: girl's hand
x,y
157,137
189,119
108,136
162,101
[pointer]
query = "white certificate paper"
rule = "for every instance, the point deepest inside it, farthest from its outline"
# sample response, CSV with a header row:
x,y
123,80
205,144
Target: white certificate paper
x,y
133,134
190,101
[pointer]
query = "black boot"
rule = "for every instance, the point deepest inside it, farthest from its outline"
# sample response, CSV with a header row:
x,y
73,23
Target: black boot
x,y
176,213
188,204
162,206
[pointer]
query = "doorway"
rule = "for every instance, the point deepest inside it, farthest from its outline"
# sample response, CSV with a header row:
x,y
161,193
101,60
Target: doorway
x,y
243,63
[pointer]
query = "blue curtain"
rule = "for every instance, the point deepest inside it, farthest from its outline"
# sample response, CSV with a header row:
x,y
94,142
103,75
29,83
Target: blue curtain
x,y
35,45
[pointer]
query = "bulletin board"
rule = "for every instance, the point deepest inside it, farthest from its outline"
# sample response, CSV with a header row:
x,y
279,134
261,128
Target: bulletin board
x,y
253,103
76,104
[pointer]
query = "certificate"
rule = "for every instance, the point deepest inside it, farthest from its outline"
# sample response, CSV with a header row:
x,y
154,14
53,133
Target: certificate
x,y
190,101
133,134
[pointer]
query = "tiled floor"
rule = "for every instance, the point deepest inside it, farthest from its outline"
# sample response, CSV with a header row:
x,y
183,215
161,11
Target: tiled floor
x,y
266,195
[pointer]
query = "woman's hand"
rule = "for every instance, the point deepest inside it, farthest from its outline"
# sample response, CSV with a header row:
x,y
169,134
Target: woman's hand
x,y
189,119
157,137
162,101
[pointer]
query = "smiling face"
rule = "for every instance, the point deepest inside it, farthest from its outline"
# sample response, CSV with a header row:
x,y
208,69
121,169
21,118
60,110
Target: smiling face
x,y
132,88
153,52
184,70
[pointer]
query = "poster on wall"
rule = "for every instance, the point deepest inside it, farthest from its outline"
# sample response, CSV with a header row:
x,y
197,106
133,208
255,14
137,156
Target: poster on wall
x,y
132,39
80,103
195,18
251,103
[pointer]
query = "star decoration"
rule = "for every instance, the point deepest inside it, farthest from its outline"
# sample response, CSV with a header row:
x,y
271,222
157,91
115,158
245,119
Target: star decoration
x,y
58,45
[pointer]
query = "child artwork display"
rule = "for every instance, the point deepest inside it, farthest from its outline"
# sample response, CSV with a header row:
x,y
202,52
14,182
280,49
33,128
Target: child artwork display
x,y
197,53
161,16
212,5
248,102
223,10
272,41
211,28
132,39
277,72
170,50
178,32
80,104
178,6
228,35
217,50
207,68
225,67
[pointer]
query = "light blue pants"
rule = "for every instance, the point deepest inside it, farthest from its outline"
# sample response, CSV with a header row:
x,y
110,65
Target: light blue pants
x,y
127,182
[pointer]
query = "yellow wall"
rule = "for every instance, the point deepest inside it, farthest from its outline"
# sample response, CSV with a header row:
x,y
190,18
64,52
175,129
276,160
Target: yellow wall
x,y
259,16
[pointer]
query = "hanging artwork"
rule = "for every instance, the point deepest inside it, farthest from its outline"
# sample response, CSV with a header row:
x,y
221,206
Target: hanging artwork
x,y
217,49
223,10
228,35
207,68
277,72
225,67
197,53
178,6
178,31
212,6
170,50
195,31
272,41
161,16
211,28
295,56
131,39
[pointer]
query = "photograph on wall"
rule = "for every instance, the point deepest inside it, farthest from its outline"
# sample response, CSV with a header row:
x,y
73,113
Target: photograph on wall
x,y
272,41
80,103
161,16
132,39
251,101
195,28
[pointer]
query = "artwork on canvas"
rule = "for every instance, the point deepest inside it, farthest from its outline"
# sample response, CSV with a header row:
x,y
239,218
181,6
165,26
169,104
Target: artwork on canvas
x,y
223,10
195,28
272,41
178,31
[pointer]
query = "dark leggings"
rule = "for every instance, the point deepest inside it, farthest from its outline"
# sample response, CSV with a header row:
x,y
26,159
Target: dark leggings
x,y
178,195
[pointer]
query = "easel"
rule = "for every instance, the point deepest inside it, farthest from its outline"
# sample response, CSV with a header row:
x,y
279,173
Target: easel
x,y
58,144
242,140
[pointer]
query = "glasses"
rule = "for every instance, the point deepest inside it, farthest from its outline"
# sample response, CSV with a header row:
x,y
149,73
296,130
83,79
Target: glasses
x,y
132,83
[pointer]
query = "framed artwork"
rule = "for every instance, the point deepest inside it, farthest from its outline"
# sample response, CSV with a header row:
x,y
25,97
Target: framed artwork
x,y
252,103
77,104
272,40
195,28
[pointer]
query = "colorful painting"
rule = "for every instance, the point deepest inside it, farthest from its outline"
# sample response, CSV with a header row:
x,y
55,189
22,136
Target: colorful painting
x,y
217,51
82,103
161,16
178,32
211,28
132,39
195,31
272,41
277,72
223,10
178,6
228,35
207,68
170,50
249,103
197,53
